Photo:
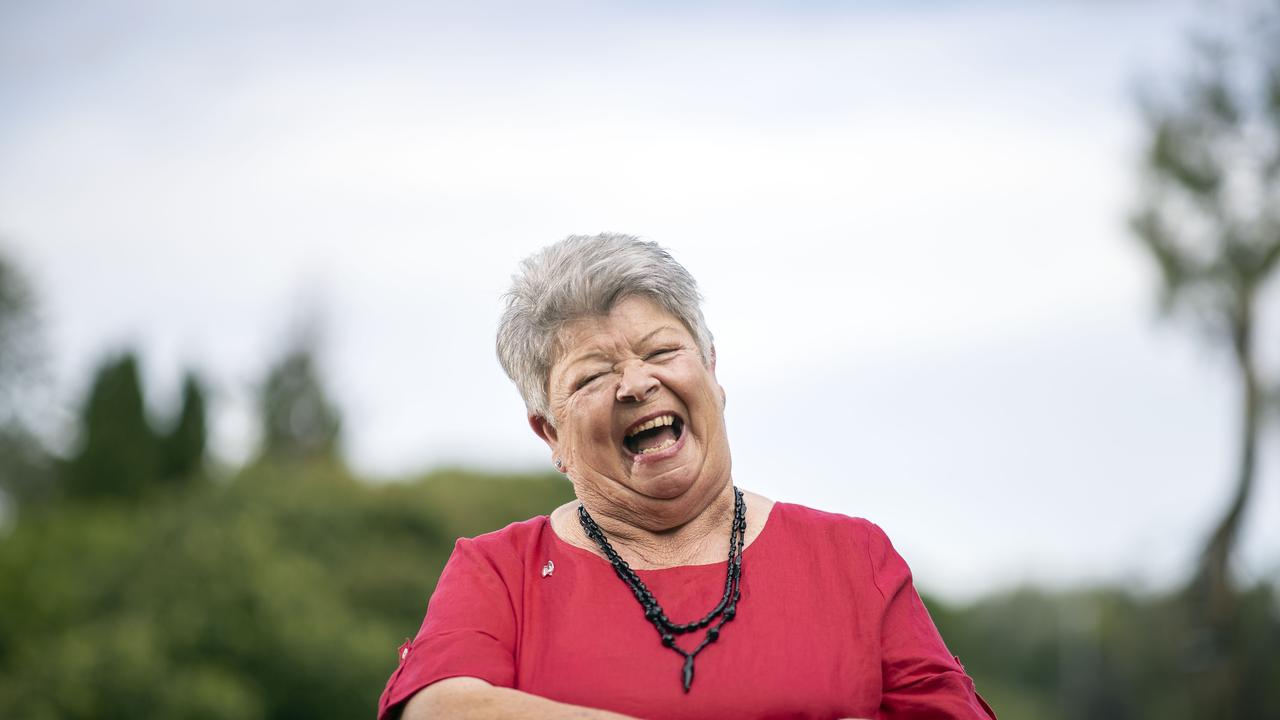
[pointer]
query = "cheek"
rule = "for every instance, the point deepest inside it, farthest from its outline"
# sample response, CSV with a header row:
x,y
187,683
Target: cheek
x,y
710,399
588,416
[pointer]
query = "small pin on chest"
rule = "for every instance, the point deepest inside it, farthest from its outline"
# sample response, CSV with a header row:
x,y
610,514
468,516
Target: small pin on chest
x,y
549,568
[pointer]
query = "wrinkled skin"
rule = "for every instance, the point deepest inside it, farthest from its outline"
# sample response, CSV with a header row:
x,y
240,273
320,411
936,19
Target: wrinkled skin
x,y
613,371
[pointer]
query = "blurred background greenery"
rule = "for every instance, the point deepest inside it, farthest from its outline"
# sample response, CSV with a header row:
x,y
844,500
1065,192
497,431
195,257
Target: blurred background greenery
x,y
139,576
135,584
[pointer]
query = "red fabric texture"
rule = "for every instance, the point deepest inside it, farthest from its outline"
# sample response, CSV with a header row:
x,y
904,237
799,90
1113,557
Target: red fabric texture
x,y
829,626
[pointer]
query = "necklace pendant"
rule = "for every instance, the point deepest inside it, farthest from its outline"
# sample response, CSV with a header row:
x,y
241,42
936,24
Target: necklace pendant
x,y
653,612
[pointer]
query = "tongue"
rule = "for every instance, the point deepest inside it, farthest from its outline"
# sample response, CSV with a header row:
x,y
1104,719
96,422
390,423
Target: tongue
x,y
655,437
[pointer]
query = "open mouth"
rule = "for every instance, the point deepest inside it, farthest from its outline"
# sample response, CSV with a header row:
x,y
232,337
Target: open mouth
x,y
654,434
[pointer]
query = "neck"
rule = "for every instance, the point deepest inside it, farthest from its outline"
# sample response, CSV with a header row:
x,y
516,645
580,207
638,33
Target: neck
x,y
701,538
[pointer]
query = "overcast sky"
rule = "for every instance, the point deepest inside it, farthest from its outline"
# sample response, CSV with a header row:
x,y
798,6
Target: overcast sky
x,y
908,219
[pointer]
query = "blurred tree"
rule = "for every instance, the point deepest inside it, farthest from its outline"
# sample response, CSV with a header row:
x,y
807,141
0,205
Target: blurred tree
x,y
24,463
299,422
119,455
1210,218
182,448
19,351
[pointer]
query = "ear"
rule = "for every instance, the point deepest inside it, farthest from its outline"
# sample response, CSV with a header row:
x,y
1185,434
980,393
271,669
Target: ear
x,y
712,367
545,430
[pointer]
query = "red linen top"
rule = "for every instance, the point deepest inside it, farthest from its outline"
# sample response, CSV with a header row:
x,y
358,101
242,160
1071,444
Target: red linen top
x,y
829,625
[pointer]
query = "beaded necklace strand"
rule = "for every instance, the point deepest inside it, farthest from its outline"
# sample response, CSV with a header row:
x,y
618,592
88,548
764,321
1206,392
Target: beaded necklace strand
x,y
725,610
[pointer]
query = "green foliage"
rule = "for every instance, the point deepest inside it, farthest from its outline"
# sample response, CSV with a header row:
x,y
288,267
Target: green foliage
x,y
26,471
1209,217
299,422
19,348
1107,653
119,453
182,448
25,468
282,593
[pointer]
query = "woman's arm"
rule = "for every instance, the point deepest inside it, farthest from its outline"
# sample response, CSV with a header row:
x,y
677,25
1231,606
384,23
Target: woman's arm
x,y
921,677
469,698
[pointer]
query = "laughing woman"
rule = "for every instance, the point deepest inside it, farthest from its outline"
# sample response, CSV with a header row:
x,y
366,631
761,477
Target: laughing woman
x,y
664,590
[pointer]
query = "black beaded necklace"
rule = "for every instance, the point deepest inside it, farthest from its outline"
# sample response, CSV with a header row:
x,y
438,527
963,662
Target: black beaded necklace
x,y
725,610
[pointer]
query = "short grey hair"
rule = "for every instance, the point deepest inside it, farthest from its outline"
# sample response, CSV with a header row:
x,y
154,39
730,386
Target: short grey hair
x,y
584,276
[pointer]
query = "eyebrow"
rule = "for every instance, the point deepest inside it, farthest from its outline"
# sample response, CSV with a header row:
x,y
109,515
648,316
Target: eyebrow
x,y
655,331
597,355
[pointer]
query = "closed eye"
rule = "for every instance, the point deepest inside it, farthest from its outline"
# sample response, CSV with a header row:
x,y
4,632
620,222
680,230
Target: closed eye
x,y
587,380
657,354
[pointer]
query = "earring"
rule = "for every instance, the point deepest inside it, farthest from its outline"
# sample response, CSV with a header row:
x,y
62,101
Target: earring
x,y
559,464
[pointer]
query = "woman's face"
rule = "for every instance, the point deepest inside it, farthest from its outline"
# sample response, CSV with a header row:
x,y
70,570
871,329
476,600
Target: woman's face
x,y
639,419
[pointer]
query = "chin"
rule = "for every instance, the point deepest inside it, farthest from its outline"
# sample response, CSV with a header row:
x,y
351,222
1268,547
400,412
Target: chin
x,y
667,489
668,485
673,484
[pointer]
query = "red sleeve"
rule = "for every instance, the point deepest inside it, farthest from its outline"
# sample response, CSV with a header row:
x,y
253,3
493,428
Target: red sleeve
x,y
922,679
469,631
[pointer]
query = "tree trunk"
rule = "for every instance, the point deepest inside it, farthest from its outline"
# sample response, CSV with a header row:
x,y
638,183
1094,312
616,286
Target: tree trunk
x,y
1213,592
1215,572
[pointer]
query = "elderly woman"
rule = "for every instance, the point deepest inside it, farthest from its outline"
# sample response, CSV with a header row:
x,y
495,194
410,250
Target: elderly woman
x,y
663,591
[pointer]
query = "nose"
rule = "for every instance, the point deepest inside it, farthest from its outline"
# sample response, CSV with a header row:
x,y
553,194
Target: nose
x,y
637,384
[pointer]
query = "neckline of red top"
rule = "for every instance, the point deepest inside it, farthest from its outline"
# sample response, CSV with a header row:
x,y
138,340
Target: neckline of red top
x,y
574,549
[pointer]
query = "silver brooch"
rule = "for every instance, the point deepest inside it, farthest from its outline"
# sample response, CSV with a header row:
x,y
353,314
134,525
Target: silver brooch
x,y
549,568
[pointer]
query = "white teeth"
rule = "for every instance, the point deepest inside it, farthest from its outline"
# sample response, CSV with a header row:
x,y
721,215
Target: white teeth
x,y
665,444
656,422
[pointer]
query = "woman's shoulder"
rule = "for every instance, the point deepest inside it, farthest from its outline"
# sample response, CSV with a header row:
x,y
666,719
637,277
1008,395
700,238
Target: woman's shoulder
x,y
804,522
850,547
511,544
